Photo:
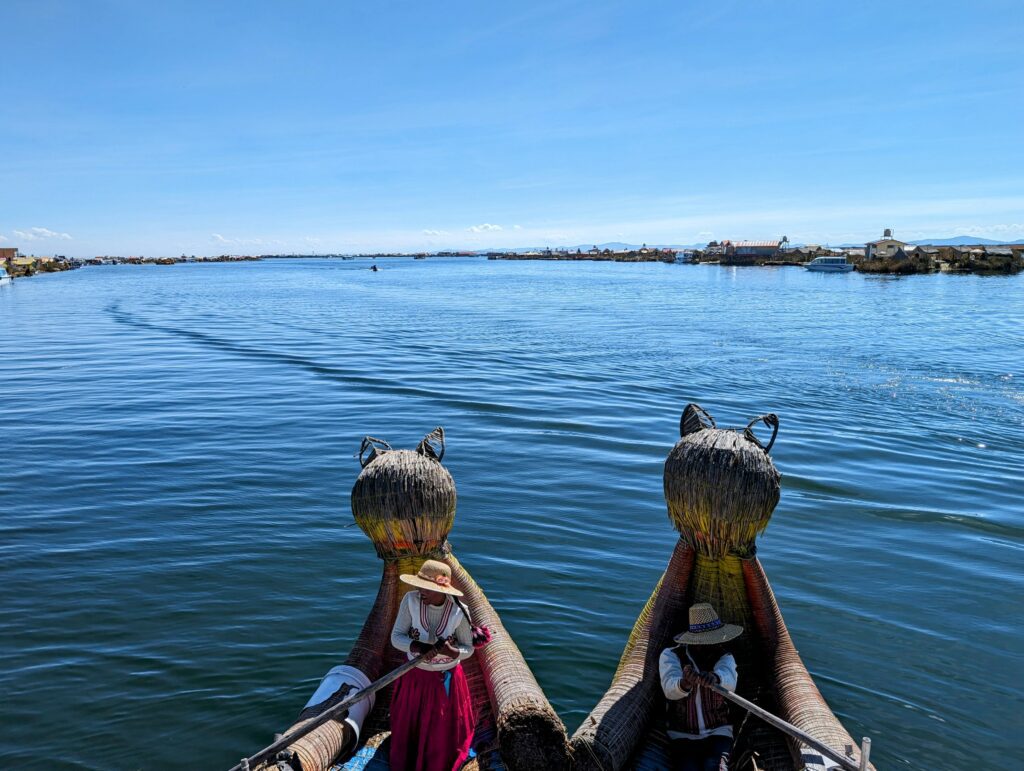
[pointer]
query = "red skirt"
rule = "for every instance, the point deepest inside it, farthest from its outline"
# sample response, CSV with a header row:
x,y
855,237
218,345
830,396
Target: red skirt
x,y
431,730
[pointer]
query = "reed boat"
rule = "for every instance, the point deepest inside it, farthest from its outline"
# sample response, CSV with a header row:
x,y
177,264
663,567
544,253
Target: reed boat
x,y
404,501
721,488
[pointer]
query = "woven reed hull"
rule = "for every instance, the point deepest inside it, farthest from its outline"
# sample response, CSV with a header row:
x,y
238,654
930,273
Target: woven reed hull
x,y
624,731
516,727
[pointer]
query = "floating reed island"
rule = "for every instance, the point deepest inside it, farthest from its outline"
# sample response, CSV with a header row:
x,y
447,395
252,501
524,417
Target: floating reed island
x,y
721,488
404,501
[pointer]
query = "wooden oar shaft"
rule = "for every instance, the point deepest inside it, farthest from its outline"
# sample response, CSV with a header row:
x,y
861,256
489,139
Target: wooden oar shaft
x,y
328,714
846,762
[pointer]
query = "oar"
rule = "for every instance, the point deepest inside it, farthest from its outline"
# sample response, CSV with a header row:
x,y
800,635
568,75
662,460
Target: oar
x,y
846,762
338,709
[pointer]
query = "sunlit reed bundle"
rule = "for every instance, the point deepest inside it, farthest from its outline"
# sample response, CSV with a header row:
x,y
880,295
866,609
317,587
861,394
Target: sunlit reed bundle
x,y
404,500
720,485
721,488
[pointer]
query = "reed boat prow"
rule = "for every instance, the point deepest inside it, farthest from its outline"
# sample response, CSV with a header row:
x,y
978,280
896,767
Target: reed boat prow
x,y
721,488
404,500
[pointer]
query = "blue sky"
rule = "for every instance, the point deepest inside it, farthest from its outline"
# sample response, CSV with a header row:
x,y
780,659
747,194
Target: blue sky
x,y
204,128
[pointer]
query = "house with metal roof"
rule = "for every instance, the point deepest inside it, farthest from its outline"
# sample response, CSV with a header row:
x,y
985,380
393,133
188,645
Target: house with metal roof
x,y
749,252
886,246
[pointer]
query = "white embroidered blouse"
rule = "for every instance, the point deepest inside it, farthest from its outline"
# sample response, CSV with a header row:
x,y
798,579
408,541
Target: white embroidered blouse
x,y
418,621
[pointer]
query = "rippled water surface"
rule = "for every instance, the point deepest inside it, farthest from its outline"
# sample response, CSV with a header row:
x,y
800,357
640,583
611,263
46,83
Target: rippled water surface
x,y
177,568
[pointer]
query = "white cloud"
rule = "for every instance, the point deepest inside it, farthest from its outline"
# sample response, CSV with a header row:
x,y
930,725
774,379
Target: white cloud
x,y
485,228
2,239
1012,229
705,234
429,232
313,240
517,227
40,234
219,239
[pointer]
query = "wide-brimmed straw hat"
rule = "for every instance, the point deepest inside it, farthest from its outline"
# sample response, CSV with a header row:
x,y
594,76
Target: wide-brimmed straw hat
x,y
435,576
706,628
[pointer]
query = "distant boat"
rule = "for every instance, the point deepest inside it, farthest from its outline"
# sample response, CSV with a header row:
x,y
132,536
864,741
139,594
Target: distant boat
x,y
374,268
830,265
4,278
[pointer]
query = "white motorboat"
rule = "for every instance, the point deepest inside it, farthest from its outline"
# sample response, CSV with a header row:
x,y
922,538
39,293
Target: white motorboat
x,y
830,265
4,278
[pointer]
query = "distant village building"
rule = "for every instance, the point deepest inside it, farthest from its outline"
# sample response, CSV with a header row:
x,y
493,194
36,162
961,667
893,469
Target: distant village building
x,y
757,248
886,246
748,252
8,253
901,255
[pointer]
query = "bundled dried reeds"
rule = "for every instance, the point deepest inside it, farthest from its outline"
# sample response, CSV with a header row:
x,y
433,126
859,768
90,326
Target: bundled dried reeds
x,y
720,485
404,500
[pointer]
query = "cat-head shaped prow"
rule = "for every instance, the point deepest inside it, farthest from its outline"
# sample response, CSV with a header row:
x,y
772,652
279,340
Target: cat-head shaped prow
x,y
721,486
404,500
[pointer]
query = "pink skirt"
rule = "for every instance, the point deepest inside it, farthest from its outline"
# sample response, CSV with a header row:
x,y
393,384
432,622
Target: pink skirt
x,y
431,730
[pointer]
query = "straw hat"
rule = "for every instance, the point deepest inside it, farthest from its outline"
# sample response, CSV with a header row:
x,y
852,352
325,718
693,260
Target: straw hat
x,y
435,576
706,628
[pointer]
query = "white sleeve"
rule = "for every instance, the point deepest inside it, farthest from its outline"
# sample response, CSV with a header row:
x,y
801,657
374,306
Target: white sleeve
x,y
671,672
726,671
403,622
464,638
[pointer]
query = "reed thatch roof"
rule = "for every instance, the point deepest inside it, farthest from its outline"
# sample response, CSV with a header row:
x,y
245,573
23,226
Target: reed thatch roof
x,y
720,484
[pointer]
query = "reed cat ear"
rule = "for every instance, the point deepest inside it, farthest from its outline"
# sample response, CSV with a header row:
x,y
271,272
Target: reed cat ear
x,y
370,449
432,445
772,421
695,418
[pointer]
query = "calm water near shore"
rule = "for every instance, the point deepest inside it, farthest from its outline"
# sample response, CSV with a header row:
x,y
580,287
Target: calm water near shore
x,y
177,568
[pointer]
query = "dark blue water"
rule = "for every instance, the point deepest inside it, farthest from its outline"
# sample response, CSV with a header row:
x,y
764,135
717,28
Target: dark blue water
x,y
176,566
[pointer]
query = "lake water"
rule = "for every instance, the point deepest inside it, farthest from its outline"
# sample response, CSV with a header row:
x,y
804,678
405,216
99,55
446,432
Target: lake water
x,y
177,569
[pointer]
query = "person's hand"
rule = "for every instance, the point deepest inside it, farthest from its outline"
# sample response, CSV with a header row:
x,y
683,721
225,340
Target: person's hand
x,y
450,650
709,678
418,648
689,678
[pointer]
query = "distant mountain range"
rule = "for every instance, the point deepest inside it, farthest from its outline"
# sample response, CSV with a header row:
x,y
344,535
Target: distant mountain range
x,y
954,241
963,241
615,246
619,246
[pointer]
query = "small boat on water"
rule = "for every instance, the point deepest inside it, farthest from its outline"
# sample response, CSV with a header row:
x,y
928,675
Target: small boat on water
x,y
830,265
404,500
721,488
4,278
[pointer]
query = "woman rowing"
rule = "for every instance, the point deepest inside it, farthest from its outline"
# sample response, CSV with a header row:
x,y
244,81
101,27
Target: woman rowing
x,y
432,718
